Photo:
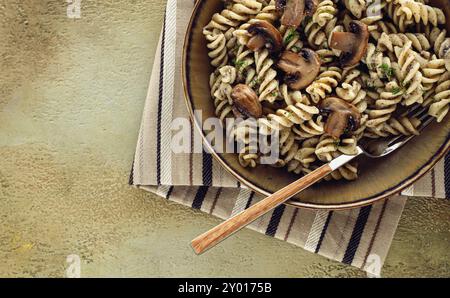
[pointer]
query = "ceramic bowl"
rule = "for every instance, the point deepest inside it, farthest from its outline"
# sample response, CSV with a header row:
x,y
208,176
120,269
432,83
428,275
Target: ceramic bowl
x,y
378,179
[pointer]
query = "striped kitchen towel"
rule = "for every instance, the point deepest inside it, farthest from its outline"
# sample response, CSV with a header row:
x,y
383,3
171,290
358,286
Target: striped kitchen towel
x,y
360,237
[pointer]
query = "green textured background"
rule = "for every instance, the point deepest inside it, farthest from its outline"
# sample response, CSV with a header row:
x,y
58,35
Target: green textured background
x,y
71,96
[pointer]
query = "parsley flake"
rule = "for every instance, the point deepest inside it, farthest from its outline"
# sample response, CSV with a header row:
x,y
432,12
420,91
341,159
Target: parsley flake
x,y
292,33
387,70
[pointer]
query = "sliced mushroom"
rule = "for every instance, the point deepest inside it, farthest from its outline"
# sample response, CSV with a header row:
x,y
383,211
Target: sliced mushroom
x,y
293,12
342,117
300,68
245,102
353,44
264,34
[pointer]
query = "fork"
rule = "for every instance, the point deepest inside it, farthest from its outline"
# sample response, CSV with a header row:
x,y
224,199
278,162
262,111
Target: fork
x,y
374,148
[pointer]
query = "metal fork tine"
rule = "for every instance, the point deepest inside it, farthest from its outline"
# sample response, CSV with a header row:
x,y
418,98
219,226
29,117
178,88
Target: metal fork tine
x,y
414,108
414,113
372,147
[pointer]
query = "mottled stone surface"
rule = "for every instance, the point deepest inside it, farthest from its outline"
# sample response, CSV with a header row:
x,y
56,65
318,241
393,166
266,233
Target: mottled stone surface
x,y
71,95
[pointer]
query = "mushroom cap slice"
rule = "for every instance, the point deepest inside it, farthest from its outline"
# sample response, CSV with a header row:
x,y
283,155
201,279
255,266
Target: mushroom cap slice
x,y
300,68
343,41
245,102
264,34
342,117
293,12
353,44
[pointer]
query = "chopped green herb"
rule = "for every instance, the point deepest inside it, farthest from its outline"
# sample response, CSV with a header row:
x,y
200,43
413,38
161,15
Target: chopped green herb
x,y
292,33
387,70
296,49
274,93
240,65
255,81
396,90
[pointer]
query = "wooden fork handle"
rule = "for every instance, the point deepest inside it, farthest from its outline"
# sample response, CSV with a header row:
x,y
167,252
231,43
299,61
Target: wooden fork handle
x,y
240,220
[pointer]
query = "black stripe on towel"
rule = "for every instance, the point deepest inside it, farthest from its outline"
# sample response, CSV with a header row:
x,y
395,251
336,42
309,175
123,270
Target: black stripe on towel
x,y
131,179
200,197
207,169
169,193
160,100
447,176
324,231
353,244
250,199
275,220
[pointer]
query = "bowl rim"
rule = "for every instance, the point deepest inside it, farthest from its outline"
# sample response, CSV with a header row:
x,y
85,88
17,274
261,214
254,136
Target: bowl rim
x,y
396,189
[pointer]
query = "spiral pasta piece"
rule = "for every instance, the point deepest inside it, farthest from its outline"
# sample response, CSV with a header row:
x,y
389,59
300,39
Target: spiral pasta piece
x,y
356,7
359,133
236,12
245,134
288,149
314,34
327,146
328,79
419,41
220,92
217,47
373,16
291,39
441,100
326,56
432,72
402,126
306,153
441,45
439,109
248,157
325,11
421,13
351,91
244,63
400,19
267,13
328,149
379,63
384,106
408,72
379,27
310,128
292,97
293,114
266,76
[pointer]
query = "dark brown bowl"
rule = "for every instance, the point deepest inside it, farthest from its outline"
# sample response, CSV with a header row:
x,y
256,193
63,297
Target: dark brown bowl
x,y
378,179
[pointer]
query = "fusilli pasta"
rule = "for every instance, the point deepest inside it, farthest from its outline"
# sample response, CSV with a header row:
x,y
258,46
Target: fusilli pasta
x,y
372,59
